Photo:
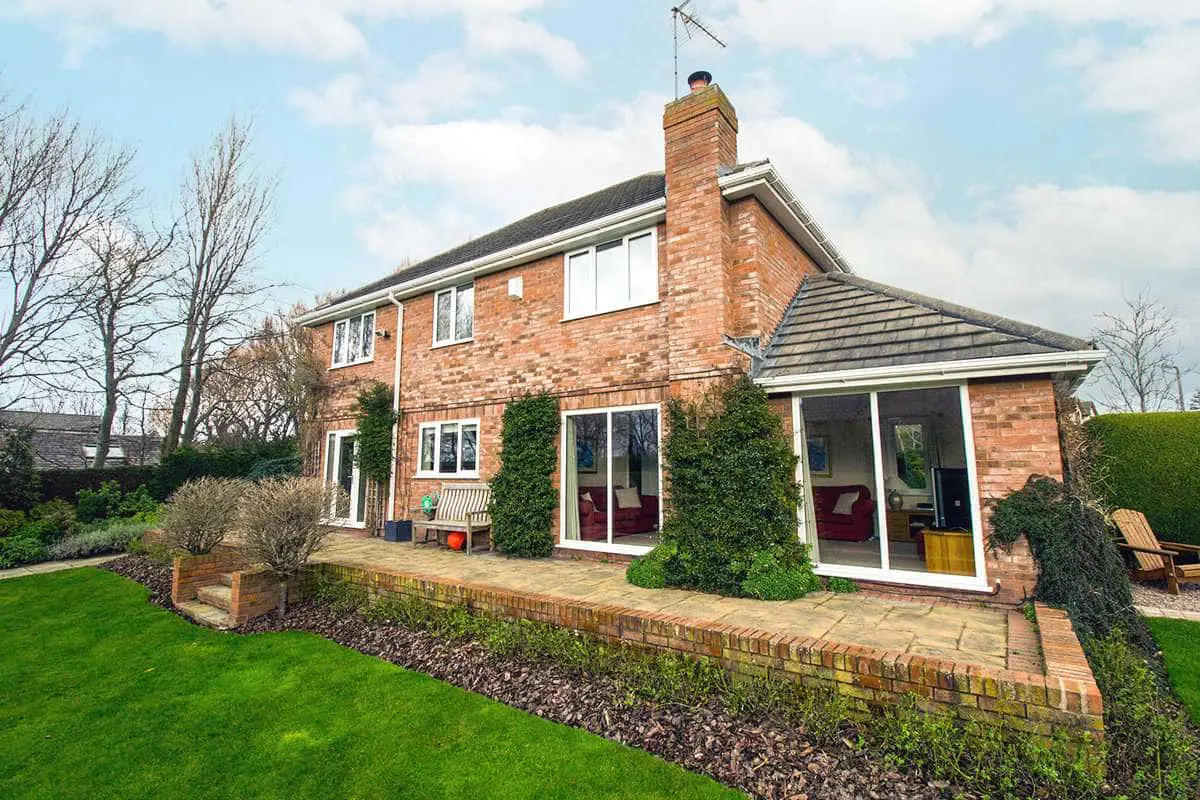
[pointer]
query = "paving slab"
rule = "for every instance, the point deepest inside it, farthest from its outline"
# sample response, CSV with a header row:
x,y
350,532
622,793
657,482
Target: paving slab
x,y
54,566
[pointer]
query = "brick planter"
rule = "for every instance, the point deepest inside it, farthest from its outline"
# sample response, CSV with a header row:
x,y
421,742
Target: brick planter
x,y
189,573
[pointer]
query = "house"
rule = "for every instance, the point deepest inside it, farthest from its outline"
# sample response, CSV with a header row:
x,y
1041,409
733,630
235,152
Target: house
x,y
69,441
909,413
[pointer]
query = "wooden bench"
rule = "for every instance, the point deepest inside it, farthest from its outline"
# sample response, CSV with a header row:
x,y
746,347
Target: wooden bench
x,y
462,507
1155,558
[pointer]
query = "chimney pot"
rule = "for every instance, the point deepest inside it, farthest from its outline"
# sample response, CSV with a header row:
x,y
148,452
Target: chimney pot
x,y
699,80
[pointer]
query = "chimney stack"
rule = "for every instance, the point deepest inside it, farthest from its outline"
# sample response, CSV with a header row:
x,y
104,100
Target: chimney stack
x,y
699,80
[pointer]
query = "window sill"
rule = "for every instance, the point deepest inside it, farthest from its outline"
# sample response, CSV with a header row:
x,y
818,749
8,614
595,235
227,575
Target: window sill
x,y
352,363
344,523
573,317
453,476
603,547
438,345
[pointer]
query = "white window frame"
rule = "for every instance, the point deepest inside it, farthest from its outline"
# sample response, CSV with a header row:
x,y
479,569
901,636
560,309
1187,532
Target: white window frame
x,y
453,292
606,546
806,523
591,252
437,448
358,359
350,521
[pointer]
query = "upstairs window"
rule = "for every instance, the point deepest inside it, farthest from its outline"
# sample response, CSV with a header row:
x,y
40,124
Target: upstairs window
x,y
449,449
454,314
354,339
612,275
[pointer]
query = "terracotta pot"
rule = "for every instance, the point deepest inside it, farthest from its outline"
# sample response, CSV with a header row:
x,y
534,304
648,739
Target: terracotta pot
x,y
456,540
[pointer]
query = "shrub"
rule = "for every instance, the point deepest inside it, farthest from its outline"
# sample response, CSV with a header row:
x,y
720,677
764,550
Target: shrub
x,y
67,483
523,495
50,521
113,539
18,482
733,489
648,571
1080,567
200,514
10,521
20,549
100,504
282,522
375,420
138,503
214,460
841,585
779,574
1153,466
274,468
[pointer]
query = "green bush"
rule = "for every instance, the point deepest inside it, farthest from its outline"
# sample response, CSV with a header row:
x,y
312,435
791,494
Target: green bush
x,y
375,420
778,574
10,521
67,483
1153,466
648,571
98,505
50,521
137,503
523,494
18,482
218,461
286,467
733,489
841,585
20,549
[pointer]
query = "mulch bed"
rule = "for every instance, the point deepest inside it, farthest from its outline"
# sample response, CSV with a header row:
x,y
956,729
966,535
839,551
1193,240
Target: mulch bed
x,y
762,757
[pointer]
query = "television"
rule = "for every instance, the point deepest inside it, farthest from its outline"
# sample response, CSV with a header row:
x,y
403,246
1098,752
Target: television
x,y
951,498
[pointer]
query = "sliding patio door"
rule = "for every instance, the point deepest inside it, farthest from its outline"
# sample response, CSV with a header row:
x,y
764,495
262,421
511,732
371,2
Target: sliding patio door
x,y
611,479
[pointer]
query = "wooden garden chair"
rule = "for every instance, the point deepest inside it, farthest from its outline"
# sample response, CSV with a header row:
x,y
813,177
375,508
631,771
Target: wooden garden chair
x,y
1155,559
462,507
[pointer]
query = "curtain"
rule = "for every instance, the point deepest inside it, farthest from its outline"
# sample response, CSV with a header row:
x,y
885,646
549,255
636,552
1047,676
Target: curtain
x,y
570,482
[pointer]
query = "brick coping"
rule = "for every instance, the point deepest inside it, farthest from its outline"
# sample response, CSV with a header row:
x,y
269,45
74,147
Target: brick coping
x,y
1063,696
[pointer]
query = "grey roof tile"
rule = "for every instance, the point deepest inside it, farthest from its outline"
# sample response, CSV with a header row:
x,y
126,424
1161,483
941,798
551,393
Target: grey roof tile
x,y
840,322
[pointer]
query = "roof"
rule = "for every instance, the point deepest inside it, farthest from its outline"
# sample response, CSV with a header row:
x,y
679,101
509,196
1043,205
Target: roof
x,y
47,421
63,441
597,205
839,322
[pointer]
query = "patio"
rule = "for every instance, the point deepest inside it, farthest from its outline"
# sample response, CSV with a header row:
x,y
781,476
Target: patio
x,y
975,634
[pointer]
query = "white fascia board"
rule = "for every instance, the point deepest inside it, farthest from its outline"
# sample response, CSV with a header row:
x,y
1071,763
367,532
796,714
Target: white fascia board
x,y
764,183
620,223
912,374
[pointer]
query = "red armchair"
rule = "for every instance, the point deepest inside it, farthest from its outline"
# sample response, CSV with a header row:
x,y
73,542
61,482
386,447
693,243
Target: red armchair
x,y
593,515
857,526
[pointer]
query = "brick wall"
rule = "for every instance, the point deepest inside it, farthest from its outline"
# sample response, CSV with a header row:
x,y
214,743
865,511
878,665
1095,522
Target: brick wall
x,y
1016,435
189,573
767,269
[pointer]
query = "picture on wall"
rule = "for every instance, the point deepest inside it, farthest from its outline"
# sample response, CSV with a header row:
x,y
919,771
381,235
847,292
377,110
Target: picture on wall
x,y
819,461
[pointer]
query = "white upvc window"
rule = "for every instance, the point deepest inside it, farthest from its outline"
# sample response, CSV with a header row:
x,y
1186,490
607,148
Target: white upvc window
x,y
354,339
611,275
448,449
454,315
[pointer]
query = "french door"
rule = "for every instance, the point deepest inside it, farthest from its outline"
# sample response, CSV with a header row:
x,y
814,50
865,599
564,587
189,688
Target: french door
x,y
348,506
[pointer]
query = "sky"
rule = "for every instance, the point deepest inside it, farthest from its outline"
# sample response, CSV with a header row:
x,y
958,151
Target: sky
x,y
1035,158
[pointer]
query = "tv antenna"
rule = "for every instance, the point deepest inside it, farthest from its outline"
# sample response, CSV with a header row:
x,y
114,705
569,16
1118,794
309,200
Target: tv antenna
x,y
691,24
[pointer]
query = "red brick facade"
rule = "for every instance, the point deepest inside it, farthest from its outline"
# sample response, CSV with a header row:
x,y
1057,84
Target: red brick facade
x,y
723,268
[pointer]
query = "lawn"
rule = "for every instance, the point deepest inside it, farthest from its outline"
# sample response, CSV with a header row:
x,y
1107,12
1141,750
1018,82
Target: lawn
x,y
1179,641
105,695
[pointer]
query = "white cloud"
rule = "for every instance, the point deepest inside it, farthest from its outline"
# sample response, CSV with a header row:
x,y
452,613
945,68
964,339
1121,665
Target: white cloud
x,y
499,34
1155,80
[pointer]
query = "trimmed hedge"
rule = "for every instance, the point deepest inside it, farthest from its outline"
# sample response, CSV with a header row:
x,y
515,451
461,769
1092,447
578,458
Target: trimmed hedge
x,y
66,484
523,494
1153,466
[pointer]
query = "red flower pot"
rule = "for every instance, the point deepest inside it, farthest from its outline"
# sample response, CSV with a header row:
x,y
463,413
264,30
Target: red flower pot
x,y
456,540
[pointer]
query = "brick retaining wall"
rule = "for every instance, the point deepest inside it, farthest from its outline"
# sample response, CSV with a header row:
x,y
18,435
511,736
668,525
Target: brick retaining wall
x,y
1065,698
189,573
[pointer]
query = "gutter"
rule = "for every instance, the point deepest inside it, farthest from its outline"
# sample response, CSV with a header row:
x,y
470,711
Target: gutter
x,y
764,183
395,404
626,221
1037,363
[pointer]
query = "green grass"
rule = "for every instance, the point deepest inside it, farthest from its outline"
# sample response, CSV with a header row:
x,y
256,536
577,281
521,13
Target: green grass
x,y
105,695
1179,641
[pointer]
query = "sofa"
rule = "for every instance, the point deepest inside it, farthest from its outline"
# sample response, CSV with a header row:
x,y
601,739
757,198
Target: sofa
x,y
593,515
857,526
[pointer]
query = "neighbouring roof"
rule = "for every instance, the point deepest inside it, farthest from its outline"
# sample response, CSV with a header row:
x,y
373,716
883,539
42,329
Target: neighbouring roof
x,y
840,322
48,421
597,205
68,441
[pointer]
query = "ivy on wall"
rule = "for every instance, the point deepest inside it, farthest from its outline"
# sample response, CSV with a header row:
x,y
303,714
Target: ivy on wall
x,y
523,495
375,420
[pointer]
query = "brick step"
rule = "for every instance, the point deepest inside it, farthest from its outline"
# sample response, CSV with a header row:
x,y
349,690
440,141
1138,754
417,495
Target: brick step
x,y
226,578
218,595
204,614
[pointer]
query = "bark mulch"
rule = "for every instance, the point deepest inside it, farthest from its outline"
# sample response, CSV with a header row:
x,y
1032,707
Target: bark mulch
x,y
760,756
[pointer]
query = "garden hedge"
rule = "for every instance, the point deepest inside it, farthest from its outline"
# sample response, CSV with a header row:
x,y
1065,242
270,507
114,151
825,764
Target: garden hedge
x,y
67,483
1153,466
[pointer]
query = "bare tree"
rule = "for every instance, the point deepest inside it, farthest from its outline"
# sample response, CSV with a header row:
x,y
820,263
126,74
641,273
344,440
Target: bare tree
x,y
1139,372
264,387
227,210
125,317
58,183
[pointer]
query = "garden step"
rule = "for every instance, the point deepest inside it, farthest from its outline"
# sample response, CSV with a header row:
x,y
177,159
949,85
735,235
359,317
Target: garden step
x,y
226,578
206,615
218,595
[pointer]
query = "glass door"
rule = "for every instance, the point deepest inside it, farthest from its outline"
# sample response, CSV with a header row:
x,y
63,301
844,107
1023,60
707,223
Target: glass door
x,y
341,469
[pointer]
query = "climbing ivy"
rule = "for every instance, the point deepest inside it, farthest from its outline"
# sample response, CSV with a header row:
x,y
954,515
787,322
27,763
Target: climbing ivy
x,y
375,420
523,495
